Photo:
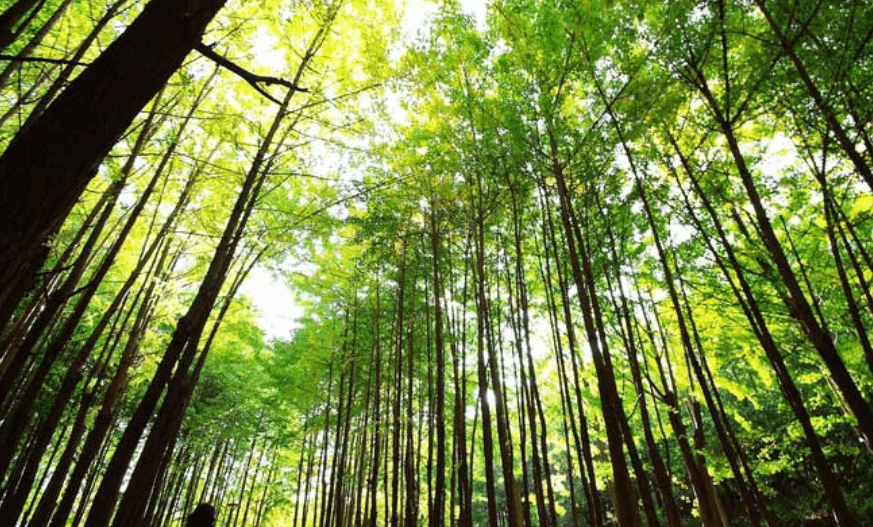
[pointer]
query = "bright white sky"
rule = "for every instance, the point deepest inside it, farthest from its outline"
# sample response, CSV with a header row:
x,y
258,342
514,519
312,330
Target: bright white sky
x,y
477,9
417,12
274,302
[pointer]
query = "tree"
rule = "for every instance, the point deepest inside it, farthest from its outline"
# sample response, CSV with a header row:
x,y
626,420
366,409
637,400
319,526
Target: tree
x,y
572,264
45,168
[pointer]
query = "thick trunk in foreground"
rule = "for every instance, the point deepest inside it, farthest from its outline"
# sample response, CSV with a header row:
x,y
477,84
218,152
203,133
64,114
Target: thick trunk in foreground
x,y
46,168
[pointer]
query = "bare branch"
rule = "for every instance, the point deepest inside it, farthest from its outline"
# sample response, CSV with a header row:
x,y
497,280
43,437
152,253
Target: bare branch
x,y
20,58
254,80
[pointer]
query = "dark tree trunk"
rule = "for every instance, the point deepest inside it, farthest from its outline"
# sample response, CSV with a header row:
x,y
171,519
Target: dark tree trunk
x,y
461,474
580,431
21,412
35,41
530,400
788,47
759,326
67,72
409,467
46,168
104,418
437,513
396,430
13,18
627,509
373,484
794,298
18,350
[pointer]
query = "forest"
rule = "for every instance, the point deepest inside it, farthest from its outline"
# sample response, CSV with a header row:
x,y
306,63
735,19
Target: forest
x,y
402,263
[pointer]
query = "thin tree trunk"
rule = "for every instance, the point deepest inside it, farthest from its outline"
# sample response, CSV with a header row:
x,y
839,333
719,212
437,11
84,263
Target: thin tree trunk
x,y
627,510
377,414
396,391
753,313
411,507
795,300
580,432
788,47
35,41
436,518
13,17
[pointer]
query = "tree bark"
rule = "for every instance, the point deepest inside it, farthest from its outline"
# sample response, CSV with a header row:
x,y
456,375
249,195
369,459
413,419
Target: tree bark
x,y
436,518
627,509
46,168
13,16
33,42
759,326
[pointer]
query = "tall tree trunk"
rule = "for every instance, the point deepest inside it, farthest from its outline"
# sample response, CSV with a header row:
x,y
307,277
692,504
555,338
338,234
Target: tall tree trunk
x,y
581,431
14,17
62,80
536,418
99,104
373,519
186,337
796,302
627,509
436,516
409,466
34,41
396,430
21,412
753,313
462,469
157,450
788,47
697,473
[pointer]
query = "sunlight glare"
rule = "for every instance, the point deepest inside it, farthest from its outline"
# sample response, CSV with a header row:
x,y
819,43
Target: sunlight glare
x,y
278,312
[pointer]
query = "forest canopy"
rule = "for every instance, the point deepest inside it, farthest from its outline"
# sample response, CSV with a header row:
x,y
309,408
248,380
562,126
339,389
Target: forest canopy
x,y
516,263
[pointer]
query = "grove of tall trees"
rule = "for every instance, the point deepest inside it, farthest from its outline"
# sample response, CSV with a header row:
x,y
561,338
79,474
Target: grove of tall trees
x,y
548,263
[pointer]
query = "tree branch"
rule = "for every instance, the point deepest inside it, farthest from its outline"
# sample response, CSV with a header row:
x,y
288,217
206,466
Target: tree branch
x,y
254,80
20,58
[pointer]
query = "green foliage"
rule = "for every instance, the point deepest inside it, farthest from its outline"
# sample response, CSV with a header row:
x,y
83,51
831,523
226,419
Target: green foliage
x,y
527,145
